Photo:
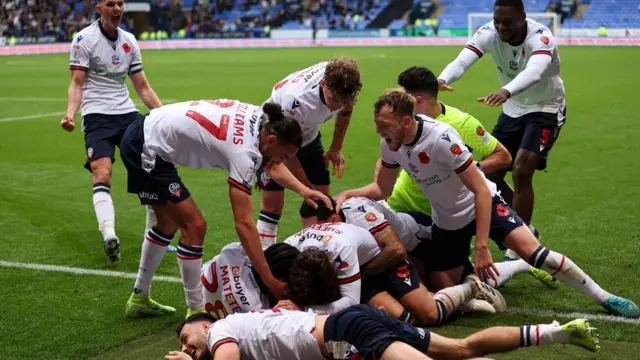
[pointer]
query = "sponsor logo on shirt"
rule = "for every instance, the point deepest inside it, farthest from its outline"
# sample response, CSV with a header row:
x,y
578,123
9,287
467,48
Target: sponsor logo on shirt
x,y
115,60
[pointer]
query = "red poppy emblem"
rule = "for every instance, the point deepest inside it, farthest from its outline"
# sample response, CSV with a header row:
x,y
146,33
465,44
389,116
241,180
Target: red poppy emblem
x,y
424,158
126,47
480,131
456,150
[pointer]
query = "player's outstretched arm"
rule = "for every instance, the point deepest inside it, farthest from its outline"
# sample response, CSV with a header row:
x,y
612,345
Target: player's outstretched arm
x,y
499,159
281,174
381,187
242,206
334,155
295,167
494,155
474,181
454,71
74,99
144,90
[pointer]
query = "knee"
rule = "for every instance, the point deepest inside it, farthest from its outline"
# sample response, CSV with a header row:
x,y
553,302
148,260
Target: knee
x,y
524,167
194,232
101,174
429,317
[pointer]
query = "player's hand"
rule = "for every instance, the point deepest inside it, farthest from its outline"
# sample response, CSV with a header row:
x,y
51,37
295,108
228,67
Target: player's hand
x,y
278,288
442,86
496,98
484,266
68,123
288,305
310,196
177,355
340,199
336,158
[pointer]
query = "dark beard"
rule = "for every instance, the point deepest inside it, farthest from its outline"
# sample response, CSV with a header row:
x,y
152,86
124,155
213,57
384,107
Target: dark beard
x,y
206,355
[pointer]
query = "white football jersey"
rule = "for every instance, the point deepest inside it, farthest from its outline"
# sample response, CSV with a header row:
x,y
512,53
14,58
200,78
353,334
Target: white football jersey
x,y
301,96
433,160
270,335
373,216
228,285
545,96
220,134
107,64
349,246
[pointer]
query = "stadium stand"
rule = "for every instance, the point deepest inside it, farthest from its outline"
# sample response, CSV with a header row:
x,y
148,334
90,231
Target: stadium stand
x,y
59,20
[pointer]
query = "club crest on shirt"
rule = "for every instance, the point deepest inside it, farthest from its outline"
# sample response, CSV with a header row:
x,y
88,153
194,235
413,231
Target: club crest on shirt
x,y
544,40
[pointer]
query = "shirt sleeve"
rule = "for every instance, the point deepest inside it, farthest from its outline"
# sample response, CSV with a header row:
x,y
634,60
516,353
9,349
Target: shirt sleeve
x,y
542,43
364,216
242,169
295,108
451,151
136,57
220,333
477,137
80,56
388,159
482,41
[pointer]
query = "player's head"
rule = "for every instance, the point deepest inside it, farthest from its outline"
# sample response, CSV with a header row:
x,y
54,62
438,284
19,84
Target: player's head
x,y
280,135
422,84
394,114
192,333
341,83
313,279
509,19
318,215
110,13
279,257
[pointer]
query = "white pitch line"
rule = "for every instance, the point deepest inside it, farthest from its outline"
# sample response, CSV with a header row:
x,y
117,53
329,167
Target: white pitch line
x,y
34,116
573,315
73,270
51,99
124,275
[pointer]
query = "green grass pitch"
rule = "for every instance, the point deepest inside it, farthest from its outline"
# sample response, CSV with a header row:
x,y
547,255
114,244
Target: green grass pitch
x,y
586,201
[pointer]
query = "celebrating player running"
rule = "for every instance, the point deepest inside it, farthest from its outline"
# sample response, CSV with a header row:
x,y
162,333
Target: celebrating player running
x,y
102,55
528,64
220,134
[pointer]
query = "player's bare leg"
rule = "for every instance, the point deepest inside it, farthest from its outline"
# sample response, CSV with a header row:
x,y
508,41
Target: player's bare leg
x,y
193,228
502,339
150,222
524,166
271,205
154,246
439,280
101,169
390,305
402,351
522,241
499,178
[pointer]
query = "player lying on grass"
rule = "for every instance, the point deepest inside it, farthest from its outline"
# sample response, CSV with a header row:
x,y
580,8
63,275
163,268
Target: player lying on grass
x,y
232,285
422,84
312,96
102,55
358,332
527,60
464,202
378,255
221,134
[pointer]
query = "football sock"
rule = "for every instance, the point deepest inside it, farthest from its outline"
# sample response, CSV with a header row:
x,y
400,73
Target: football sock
x,y
190,262
268,228
153,250
103,206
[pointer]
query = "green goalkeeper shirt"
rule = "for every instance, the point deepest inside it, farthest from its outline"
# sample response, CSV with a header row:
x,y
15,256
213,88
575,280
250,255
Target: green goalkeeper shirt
x,y
407,195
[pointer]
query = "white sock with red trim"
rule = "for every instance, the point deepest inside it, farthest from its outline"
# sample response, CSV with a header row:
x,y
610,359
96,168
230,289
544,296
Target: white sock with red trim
x,y
565,270
536,335
449,300
268,228
153,249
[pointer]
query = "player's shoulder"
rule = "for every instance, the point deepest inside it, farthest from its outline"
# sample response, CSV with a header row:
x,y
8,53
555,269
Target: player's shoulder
x,y
487,33
354,202
88,36
453,116
538,34
234,248
431,127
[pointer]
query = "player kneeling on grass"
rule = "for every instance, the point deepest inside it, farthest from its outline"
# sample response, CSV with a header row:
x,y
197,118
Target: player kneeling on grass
x,y
221,134
232,285
464,201
387,275
359,331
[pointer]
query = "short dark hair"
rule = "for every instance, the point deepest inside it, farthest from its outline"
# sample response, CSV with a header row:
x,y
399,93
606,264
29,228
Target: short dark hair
x,y
286,128
313,280
322,212
400,102
279,257
195,318
514,3
419,79
342,77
